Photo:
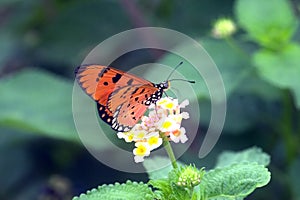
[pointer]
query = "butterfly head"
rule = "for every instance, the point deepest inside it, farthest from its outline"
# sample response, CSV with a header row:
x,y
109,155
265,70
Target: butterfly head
x,y
165,85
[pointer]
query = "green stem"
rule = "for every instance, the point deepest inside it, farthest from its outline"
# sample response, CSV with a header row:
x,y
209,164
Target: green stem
x,y
169,150
231,42
287,127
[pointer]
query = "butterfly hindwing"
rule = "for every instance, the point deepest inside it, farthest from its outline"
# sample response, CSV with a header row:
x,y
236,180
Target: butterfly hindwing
x,y
129,104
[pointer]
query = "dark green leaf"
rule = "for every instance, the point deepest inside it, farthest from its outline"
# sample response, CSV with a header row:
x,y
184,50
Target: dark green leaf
x,y
125,191
39,102
253,154
281,69
235,181
270,23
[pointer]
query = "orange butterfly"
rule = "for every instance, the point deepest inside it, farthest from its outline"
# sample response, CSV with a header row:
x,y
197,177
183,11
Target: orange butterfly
x,y
122,98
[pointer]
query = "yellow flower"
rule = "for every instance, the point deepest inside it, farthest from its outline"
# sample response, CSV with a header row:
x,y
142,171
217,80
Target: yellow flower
x,y
154,140
167,103
142,149
168,124
164,117
127,136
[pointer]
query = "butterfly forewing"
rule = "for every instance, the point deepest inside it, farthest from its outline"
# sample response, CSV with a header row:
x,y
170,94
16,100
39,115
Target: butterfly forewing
x,y
122,98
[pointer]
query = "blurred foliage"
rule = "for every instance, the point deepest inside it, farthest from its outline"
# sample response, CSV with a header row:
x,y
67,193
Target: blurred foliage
x,y
253,154
235,180
44,100
43,41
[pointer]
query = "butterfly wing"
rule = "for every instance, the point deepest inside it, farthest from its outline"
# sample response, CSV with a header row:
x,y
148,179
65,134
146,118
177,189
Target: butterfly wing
x,y
129,105
100,81
114,90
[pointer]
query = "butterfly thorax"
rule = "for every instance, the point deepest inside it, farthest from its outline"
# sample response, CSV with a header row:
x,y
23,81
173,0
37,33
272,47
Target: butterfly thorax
x,y
161,87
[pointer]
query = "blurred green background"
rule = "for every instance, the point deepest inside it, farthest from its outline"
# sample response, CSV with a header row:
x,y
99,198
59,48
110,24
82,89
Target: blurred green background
x,y
41,42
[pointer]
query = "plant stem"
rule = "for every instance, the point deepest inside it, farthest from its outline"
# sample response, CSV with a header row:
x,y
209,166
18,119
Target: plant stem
x,y
287,128
230,41
169,150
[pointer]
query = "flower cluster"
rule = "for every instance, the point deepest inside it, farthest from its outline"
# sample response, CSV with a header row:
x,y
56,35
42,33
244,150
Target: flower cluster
x,y
223,28
163,121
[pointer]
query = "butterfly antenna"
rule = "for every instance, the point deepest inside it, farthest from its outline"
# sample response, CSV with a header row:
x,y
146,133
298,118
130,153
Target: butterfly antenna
x,y
174,70
178,79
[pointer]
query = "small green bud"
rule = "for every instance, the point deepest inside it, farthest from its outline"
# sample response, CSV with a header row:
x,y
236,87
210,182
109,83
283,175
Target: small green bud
x,y
189,176
223,28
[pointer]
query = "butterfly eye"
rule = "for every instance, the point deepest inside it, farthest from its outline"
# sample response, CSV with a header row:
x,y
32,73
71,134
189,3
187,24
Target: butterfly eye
x,y
166,85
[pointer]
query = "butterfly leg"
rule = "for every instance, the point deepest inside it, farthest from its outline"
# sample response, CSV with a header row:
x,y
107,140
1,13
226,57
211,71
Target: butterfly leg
x,y
166,94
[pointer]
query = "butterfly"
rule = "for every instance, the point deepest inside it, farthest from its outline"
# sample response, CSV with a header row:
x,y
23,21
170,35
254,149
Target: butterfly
x,y
122,98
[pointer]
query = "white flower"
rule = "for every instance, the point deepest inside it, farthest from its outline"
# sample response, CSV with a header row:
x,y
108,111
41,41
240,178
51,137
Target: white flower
x,y
179,136
154,140
127,136
184,103
142,149
185,115
139,135
163,120
167,103
177,118
168,124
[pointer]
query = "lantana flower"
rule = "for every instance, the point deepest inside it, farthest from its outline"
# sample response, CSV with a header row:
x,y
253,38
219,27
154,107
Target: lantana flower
x,y
162,121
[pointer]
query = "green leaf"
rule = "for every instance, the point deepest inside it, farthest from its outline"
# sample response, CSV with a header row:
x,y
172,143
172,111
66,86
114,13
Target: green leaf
x,y
164,189
253,154
39,102
235,181
179,183
270,23
281,69
232,64
158,167
125,191
168,190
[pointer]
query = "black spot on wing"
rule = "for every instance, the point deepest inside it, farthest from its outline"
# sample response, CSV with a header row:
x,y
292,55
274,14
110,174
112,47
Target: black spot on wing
x,y
76,70
103,114
105,70
129,82
128,89
116,78
142,91
135,91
